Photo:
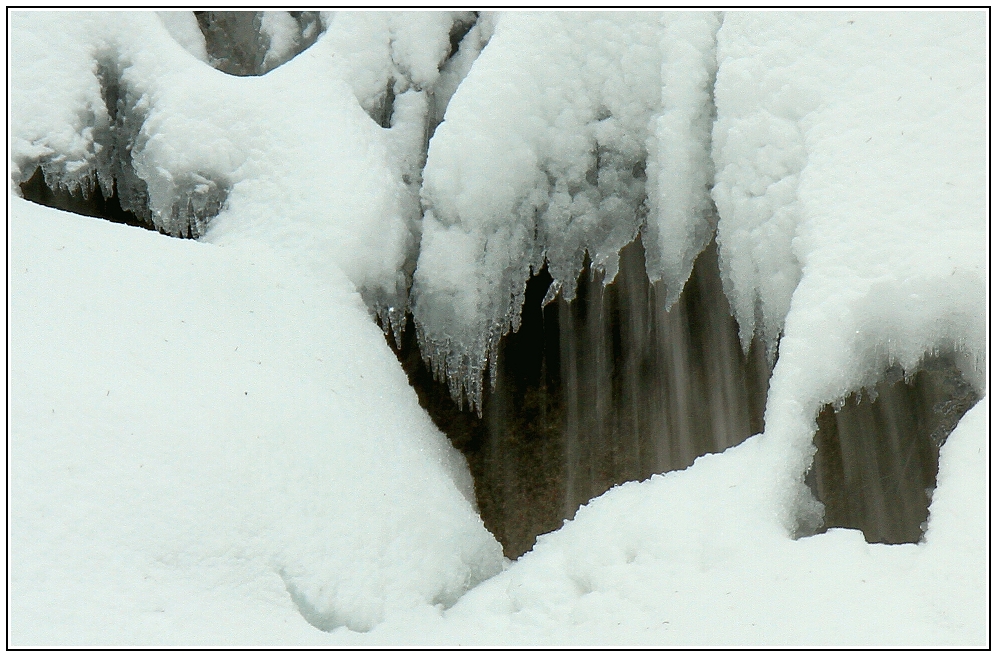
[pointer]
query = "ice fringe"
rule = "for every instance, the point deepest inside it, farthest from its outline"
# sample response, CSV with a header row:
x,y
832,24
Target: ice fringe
x,y
571,134
113,102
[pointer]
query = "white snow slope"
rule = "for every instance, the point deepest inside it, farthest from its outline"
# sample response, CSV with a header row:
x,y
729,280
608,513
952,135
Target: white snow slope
x,y
211,444
213,416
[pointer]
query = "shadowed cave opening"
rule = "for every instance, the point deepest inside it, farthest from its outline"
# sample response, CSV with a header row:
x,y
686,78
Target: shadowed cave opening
x,y
607,388
877,452
91,205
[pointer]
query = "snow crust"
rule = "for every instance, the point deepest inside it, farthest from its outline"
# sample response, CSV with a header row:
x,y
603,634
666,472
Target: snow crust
x,y
181,410
543,157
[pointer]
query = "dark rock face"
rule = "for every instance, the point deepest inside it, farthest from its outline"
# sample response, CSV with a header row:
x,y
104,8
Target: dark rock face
x,y
607,388
877,455
237,44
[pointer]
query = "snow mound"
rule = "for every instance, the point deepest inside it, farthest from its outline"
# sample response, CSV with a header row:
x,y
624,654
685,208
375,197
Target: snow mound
x,y
826,157
178,408
698,558
545,155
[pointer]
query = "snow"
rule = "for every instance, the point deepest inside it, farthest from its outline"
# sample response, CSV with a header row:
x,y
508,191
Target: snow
x,y
454,70
542,157
182,26
211,444
189,411
56,103
283,34
902,94
400,50
200,139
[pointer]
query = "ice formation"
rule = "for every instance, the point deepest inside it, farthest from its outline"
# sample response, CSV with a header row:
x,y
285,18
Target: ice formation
x,y
840,159
543,157
111,102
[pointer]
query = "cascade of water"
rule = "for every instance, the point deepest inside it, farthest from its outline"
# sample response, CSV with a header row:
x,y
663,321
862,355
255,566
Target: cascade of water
x,y
649,390
607,388
877,455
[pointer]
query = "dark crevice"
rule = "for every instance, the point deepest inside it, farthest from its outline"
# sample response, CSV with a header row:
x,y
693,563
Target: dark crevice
x,y
601,390
233,40
119,141
877,454
93,205
459,30
238,45
386,110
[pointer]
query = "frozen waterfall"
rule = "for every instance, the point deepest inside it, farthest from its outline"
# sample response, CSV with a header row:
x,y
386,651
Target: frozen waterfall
x,y
747,249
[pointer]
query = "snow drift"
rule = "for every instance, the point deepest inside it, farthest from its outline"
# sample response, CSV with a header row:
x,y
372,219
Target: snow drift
x,y
222,413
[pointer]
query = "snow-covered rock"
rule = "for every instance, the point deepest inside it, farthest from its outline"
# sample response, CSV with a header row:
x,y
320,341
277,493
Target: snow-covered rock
x,y
548,150
211,442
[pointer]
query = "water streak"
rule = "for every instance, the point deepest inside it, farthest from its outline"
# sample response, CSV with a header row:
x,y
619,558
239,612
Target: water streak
x,y
877,452
607,388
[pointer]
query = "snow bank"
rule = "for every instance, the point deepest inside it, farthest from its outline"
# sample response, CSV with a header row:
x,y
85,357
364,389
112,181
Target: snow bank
x,y
543,156
183,411
698,558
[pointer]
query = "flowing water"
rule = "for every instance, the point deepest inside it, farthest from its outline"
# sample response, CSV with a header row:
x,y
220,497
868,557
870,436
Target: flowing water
x,y
607,388
611,387
877,455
